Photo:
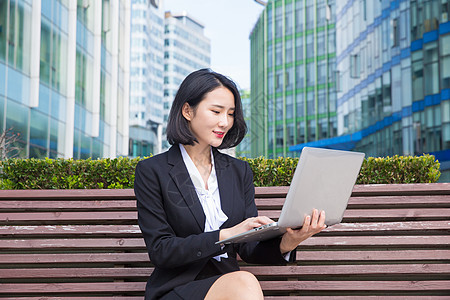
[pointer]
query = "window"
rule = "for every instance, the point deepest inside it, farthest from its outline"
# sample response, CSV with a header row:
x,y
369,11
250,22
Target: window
x,y
299,16
288,16
278,22
279,109
309,46
280,135
310,74
354,66
431,68
300,76
445,61
310,14
300,105
322,72
289,107
290,134
321,47
395,35
288,56
310,101
279,81
278,54
299,48
289,78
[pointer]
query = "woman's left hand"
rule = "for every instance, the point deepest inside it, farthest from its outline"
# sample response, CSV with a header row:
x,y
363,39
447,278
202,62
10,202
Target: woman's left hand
x,y
311,225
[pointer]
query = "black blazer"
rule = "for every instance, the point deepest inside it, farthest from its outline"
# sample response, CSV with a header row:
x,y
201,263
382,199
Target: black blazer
x,y
172,220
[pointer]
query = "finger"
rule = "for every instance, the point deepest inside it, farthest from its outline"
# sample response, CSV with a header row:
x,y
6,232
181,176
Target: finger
x,y
264,220
321,222
306,223
315,218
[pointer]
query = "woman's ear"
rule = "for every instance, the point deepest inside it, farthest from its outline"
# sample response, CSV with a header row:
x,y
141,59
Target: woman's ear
x,y
186,111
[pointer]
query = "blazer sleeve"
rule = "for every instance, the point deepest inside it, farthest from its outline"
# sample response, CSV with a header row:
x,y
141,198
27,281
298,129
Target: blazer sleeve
x,y
265,252
166,249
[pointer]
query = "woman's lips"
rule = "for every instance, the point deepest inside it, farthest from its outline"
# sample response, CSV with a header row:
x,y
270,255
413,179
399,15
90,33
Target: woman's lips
x,y
219,134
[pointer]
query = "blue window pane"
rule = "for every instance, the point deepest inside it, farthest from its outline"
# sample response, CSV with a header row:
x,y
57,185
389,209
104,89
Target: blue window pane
x,y
18,86
44,99
46,9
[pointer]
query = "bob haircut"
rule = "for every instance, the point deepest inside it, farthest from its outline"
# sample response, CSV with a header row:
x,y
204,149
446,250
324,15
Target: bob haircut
x,y
193,90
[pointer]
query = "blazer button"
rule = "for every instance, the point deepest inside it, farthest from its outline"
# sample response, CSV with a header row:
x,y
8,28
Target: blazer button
x,y
199,253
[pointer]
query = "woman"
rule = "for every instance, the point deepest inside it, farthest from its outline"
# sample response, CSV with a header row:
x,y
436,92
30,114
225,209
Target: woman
x,y
192,196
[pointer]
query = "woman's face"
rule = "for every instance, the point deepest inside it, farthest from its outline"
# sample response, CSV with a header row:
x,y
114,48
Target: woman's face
x,y
212,118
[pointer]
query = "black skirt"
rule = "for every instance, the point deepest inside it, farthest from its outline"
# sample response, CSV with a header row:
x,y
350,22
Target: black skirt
x,y
198,288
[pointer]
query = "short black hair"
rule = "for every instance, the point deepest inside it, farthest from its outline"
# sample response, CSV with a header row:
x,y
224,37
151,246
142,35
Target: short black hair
x,y
193,90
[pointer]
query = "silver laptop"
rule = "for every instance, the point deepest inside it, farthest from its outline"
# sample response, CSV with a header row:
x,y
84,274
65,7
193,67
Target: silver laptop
x,y
324,180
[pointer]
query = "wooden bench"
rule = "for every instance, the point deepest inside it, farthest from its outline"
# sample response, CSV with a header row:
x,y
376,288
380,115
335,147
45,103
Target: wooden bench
x,y
70,244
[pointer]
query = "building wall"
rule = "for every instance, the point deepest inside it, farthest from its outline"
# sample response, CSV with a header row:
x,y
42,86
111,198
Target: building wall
x,y
63,76
146,81
244,148
393,59
292,76
186,49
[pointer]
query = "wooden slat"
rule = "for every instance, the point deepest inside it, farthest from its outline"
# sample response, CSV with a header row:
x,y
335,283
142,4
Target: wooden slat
x,y
61,204
371,256
378,241
365,215
302,257
372,202
314,242
301,272
384,297
106,194
391,228
71,258
429,286
372,190
373,215
70,230
78,298
439,286
66,288
51,217
262,203
47,244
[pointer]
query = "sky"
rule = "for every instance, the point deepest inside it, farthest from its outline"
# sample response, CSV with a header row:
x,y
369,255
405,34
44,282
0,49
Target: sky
x,y
228,24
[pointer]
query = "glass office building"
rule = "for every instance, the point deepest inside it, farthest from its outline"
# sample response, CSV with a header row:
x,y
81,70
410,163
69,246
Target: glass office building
x,y
186,49
293,58
64,73
244,148
146,77
393,65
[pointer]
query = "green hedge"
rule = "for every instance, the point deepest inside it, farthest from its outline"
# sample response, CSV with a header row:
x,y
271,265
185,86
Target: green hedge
x,y
119,172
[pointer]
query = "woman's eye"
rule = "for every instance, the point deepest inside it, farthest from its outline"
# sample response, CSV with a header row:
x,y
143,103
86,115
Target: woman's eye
x,y
231,115
215,111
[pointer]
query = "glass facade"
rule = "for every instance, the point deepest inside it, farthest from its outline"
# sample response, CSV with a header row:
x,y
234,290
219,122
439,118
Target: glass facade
x,y
186,49
393,79
243,149
146,78
56,67
293,90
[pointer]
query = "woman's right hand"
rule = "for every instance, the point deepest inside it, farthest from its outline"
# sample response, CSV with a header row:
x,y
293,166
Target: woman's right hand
x,y
244,226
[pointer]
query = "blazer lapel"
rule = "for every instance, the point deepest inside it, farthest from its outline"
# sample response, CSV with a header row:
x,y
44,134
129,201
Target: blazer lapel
x,y
184,183
224,178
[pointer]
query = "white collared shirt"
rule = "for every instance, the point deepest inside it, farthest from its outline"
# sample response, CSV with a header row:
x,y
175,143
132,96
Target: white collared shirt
x,y
209,198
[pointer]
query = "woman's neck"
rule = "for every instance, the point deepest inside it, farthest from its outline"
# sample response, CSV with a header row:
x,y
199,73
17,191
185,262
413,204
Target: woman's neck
x,y
200,155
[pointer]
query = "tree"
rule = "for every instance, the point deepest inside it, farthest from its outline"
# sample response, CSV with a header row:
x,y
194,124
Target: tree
x,y
8,144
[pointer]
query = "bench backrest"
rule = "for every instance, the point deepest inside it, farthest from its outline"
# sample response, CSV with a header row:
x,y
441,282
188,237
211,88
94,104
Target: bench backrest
x,y
394,240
